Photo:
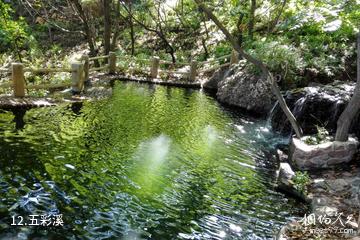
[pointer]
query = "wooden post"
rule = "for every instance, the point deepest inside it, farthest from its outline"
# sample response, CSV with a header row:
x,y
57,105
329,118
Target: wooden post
x,y
155,63
234,57
77,76
112,63
18,79
193,71
85,58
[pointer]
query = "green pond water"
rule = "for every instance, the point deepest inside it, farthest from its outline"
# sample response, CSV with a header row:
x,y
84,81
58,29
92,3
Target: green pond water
x,y
150,162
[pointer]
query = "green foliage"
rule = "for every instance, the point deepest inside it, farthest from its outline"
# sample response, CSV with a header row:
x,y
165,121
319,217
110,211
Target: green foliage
x,y
324,32
321,136
322,133
13,33
132,64
222,49
301,181
310,140
310,38
281,57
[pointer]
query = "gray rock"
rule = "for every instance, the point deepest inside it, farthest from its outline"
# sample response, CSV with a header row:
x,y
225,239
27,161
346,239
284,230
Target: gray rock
x,y
322,205
246,90
219,75
319,183
281,156
356,182
320,201
314,105
281,234
338,185
355,193
285,174
324,155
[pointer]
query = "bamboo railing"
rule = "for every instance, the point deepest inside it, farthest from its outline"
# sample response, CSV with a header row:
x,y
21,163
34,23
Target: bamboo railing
x,y
81,69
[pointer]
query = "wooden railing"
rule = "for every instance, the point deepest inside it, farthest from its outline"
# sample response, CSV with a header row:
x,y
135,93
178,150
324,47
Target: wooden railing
x,y
81,69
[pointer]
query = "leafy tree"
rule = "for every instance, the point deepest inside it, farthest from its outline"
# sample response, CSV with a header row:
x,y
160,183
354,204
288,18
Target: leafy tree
x,y
13,33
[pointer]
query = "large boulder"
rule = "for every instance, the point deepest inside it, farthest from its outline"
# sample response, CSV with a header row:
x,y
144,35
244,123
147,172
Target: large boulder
x,y
244,89
313,106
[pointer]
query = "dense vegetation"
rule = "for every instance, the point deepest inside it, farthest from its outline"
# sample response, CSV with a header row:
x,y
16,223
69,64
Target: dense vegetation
x,y
300,41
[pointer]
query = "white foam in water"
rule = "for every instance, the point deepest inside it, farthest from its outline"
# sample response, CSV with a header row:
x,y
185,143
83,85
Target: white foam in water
x,y
240,128
222,234
213,218
70,166
235,228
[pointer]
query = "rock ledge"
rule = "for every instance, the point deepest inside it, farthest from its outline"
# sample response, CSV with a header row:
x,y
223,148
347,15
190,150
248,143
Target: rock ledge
x,y
307,157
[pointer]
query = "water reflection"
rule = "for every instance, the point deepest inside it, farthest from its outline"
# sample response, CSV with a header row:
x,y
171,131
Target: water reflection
x,y
76,107
19,118
150,163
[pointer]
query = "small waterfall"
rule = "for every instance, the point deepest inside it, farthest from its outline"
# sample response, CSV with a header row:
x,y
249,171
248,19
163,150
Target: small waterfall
x,y
299,106
336,110
270,116
297,111
312,106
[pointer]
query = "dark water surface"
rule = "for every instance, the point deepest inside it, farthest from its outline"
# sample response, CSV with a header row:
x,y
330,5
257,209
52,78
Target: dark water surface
x,y
148,163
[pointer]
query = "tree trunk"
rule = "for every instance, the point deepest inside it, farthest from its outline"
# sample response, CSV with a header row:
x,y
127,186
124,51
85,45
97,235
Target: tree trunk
x,y
347,116
132,33
170,49
203,42
158,31
88,33
114,39
48,25
251,19
107,26
257,63
117,28
273,23
239,29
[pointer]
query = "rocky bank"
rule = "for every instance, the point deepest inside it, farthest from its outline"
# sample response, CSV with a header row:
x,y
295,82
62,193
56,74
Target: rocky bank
x,y
332,188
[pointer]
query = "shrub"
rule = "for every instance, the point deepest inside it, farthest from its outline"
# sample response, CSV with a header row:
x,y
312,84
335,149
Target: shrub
x,y
13,34
321,136
282,58
301,181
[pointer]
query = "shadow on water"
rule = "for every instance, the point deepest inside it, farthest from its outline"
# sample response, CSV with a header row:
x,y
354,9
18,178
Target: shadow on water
x,y
19,118
76,107
150,162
